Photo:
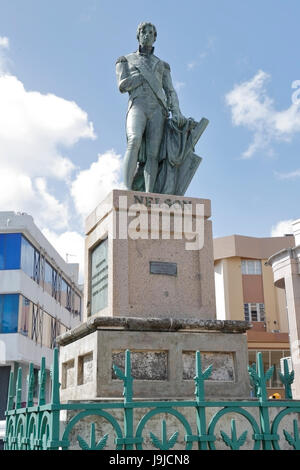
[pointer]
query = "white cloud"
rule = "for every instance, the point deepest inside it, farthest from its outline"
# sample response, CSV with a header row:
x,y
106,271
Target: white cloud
x,y
91,186
70,246
282,228
50,211
36,176
252,108
4,42
289,175
19,192
33,128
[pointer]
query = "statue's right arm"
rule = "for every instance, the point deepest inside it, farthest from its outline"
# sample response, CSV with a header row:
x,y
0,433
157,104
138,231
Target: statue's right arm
x,y
127,80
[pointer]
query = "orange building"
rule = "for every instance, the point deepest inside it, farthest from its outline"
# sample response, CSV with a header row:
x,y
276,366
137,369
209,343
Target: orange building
x,y
245,291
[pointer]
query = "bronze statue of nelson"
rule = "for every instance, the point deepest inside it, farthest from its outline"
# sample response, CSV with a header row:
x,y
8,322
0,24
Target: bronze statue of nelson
x,y
160,148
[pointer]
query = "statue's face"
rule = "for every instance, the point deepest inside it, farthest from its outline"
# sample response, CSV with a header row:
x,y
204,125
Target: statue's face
x,y
146,36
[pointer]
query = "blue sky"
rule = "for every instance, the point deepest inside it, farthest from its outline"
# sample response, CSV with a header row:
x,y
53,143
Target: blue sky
x,y
233,62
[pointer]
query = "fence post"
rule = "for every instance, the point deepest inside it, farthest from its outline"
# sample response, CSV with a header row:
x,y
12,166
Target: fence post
x,y
54,442
128,409
263,403
199,379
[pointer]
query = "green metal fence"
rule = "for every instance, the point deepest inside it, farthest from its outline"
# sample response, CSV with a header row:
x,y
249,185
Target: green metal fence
x,y
38,427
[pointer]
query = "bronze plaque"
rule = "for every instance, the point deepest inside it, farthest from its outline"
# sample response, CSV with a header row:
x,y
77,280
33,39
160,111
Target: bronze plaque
x,y
162,267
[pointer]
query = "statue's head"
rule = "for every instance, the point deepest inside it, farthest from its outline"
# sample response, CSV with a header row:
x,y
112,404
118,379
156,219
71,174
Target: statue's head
x,y
146,34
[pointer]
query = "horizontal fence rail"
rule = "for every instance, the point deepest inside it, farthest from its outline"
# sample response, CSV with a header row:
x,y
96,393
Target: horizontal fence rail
x,y
37,427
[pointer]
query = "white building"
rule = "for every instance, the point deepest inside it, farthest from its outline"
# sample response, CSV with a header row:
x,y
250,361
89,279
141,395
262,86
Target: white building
x,y
286,272
39,298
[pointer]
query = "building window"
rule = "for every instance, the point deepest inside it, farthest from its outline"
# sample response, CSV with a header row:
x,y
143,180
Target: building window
x,y
27,257
77,304
37,266
16,252
55,331
66,295
270,358
25,315
37,324
10,250
9,310
55,285
251,266
48,278
30,260
254,312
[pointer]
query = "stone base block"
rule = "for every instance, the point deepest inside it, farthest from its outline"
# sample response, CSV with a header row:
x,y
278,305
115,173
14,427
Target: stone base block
x,y
162,358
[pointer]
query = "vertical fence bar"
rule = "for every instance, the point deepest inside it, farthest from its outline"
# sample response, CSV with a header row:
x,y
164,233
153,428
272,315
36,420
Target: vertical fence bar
x,y
29,403
18,404
19,389
263,403
128,409
200,397
41,401
30,386
9,407
54,441
287,379
11,392
42,382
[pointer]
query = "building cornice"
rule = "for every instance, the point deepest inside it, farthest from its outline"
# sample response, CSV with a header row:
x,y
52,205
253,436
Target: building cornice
x,y
152,324
290,253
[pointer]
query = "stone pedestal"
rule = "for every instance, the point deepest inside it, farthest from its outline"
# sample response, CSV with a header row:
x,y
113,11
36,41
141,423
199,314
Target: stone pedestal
x,y
162,356
184,284
150,289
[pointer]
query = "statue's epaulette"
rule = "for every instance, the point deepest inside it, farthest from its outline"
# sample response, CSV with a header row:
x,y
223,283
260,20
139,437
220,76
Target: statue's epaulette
x,y
121,59
166,65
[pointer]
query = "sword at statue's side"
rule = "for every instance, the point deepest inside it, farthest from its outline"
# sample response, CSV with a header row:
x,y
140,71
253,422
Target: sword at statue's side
x,y
199,129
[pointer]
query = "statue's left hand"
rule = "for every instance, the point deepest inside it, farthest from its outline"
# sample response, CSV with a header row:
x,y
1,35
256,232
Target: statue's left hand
x,y
179,118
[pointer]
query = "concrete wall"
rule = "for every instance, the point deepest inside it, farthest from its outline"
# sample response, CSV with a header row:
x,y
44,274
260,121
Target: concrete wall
x,y
229,290
286,271
275,313
282,308
250,247
19,348
234,289
253,290
221,299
